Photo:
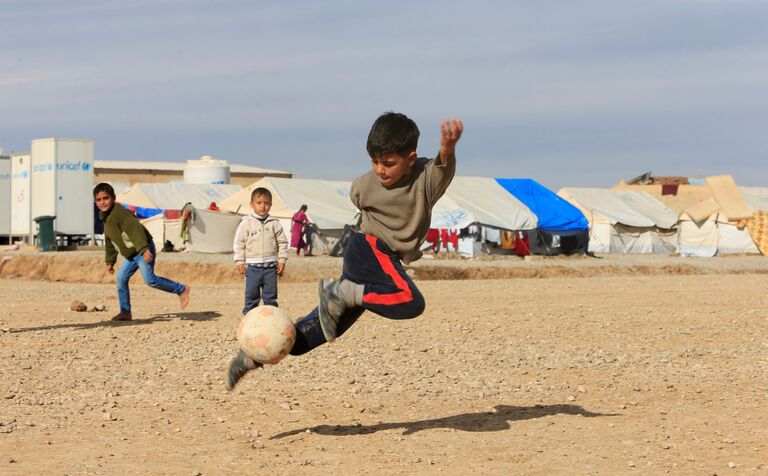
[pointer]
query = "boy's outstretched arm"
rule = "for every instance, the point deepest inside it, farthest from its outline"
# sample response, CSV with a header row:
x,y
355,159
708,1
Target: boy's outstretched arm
x,y
450,130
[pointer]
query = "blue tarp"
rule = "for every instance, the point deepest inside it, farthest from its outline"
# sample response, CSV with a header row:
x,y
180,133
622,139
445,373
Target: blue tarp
x,y
143,212
553,212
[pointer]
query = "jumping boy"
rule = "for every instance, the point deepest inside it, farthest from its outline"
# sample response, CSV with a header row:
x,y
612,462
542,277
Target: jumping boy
x,y
124,231
395,200
261,250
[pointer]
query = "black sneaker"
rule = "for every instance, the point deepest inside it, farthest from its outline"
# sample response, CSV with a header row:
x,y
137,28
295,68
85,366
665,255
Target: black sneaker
x,y
331,308
239,366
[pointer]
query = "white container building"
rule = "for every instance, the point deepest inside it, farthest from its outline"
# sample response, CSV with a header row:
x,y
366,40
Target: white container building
x,y
207,170
62,183
21,198
5,195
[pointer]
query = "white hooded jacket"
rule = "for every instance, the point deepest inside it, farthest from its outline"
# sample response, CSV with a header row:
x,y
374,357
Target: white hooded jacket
x,y
260,242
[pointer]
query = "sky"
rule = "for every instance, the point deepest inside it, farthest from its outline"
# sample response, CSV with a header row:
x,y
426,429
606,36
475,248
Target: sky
x,y
568,93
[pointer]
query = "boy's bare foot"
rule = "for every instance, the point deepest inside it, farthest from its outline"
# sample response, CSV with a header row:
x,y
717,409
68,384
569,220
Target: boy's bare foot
x,y
331,308
184,297
123,316
239,366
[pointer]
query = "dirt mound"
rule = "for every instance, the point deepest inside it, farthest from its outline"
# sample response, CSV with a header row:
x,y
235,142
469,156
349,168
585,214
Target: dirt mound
x,y
549,271
93,271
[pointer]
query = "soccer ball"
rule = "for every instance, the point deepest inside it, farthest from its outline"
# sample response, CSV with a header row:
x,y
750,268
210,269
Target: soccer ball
x,y
266,334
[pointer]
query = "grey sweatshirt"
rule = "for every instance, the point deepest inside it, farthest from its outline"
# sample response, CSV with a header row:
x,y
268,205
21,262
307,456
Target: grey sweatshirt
x,y
400,215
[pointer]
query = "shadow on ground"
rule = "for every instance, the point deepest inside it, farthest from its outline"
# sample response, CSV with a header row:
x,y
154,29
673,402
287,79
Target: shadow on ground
x,y
497,420
184,316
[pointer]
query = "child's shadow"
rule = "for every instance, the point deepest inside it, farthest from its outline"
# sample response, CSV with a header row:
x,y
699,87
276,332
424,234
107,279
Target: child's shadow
x,y
184,316
497,420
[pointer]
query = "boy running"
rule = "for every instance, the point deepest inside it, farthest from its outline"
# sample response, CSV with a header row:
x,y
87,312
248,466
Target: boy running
x,y
124,231
395,199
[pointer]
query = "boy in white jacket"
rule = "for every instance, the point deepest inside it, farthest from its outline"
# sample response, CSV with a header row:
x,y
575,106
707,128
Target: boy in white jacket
x,y
261,249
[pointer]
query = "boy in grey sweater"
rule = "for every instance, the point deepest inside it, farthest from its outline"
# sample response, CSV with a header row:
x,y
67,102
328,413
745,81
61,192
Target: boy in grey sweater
x,y
395,199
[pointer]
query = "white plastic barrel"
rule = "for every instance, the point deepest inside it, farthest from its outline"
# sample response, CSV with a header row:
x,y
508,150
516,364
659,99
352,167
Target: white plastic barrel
x,y
206,170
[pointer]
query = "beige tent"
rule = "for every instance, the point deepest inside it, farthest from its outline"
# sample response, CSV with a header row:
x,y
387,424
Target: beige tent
x,y
173,195
704,227
622,221
162,230
329,207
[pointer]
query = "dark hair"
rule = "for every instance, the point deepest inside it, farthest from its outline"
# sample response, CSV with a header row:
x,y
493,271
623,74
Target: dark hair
x,y
391,133
259,191
104,187
303,208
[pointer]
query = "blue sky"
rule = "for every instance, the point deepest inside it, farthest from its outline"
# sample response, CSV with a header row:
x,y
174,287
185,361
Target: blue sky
x,y
569,93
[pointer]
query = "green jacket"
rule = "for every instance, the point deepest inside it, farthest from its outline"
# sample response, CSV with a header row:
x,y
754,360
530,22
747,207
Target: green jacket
x,y
124,230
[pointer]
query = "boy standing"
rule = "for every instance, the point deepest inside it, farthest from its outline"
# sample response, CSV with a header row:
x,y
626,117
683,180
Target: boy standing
x,y
124,231
395,199
261,250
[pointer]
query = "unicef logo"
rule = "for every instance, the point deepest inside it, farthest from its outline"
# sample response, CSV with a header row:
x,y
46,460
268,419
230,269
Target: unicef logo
x,y
86,166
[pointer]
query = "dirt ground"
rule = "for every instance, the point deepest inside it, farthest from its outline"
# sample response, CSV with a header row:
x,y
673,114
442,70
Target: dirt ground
x,y
649,366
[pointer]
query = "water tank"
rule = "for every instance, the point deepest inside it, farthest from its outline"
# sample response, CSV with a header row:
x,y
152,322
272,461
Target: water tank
x,y
206,170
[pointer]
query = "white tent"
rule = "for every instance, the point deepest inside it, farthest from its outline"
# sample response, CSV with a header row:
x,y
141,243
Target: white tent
x,y
174,195
213,232
164,229
706,229
328,205
623,221
481,200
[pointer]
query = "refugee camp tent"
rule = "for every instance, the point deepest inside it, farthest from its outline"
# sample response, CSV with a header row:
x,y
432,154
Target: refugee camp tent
x,y
483,202
163,229
211,231
624,221
155,197
562,228
704,228
697,235
152,201
329,207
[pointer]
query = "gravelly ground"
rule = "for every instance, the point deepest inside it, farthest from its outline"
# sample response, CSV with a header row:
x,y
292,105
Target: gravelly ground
x,y
591,375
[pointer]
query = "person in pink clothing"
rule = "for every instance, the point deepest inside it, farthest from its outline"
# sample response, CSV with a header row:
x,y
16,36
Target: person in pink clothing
x,y
298,222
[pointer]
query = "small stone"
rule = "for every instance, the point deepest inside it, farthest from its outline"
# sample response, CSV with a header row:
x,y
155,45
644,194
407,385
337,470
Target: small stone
x,y
631,464
581,389
571,398
197,473
107,416
78,306
731,464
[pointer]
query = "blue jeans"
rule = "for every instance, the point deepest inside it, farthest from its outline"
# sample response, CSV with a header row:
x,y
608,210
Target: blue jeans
x,y
260,284
128,269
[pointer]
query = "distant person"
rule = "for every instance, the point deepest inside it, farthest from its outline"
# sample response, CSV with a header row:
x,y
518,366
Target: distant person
x,y
261,250
124,231
395,200
309,233
298,222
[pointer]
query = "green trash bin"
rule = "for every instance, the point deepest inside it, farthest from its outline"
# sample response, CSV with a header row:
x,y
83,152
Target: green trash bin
x,y
46,240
